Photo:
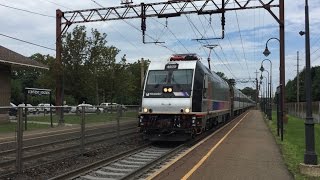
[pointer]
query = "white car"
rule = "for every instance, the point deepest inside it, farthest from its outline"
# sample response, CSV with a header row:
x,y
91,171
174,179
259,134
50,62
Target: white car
x,y
88,108
45,108
30,108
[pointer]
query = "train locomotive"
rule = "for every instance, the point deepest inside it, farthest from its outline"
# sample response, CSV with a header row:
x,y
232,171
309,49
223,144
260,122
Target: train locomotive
x,y
182,98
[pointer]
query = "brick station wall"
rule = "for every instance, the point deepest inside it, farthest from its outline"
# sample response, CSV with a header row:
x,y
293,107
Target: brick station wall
x,y
5,91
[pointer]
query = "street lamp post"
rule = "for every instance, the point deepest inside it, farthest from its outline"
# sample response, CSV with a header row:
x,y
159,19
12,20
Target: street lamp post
x,y
266,52
262,95
310,156
268,112
266,95
270,91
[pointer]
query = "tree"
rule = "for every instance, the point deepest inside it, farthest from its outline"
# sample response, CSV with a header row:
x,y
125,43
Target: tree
x,y
248,91
222,75
88,64
291,86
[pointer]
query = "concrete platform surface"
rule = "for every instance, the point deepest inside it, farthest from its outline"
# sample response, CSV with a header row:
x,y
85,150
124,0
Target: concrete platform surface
x,y
245,149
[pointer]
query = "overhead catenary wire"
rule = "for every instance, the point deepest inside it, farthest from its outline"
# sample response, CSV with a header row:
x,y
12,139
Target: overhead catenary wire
x,y
27,42
223,53
57,4
244,54
24,10
227,66
173,35
139,30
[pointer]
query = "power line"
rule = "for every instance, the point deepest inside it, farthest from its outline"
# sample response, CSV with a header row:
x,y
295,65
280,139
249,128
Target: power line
x,y
57,4
244,55
228,66
24,10
138,29
172,34
26,42
96,3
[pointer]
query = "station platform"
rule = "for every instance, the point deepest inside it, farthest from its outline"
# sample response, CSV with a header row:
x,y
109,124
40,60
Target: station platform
x,y
243,149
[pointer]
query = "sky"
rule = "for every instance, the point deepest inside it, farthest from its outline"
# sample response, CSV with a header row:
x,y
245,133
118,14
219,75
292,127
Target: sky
x,y
238,55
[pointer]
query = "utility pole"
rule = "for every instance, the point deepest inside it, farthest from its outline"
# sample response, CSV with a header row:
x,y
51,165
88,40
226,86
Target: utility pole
x,y
59,75
298,84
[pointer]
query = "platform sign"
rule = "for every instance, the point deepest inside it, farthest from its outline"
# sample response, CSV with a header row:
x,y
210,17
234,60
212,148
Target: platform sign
x,y
36,91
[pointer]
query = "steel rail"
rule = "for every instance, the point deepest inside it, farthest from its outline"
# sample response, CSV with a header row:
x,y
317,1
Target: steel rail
x,y
153,163
87,169
3,176
74,130
64,149
98,164
2,153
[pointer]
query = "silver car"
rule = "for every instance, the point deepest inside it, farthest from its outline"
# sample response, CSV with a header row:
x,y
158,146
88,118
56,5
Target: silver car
x,y
88,108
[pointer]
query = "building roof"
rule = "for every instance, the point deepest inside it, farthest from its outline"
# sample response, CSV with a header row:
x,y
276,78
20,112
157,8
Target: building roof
x,y
15,59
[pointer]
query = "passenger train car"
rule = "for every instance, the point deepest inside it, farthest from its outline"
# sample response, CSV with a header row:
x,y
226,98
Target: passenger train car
x,y
182,98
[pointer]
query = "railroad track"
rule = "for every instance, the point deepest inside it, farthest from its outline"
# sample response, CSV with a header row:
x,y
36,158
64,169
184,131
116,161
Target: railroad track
x,y
125,165
60,135
42,153
133,164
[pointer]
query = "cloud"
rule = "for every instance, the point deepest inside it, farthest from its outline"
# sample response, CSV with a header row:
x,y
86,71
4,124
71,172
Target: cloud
x,y
242,57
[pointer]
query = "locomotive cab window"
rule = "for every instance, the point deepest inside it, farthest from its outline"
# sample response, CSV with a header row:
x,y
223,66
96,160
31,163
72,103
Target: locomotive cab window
x,y
183,76
158,77
170,83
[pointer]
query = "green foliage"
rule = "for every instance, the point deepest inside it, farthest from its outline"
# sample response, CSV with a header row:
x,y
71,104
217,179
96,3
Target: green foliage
x,y
248,91
222,75
291,86
91,73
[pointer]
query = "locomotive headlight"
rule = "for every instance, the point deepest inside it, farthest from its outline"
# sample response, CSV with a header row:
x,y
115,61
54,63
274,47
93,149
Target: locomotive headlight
x,y
169,90
187,110
145,110
165,90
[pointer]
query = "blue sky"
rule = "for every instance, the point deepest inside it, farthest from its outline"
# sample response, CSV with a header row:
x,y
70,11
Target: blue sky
x,y
238,55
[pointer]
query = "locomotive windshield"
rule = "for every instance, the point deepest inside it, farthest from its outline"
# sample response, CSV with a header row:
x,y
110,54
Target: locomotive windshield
x,y
158,77
181,76
169,83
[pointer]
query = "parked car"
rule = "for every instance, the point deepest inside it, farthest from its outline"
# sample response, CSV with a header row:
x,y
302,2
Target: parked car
x,y
88,108
44,108
30,108
104,106
66,108
115,106
13,109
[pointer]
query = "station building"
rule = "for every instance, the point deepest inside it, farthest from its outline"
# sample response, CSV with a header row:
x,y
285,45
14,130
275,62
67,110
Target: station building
x,y
10,60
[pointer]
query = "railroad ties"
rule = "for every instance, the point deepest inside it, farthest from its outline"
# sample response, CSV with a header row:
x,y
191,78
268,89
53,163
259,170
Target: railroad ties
x,y
124,167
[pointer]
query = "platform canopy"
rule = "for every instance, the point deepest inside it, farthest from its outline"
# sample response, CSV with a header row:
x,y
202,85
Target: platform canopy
x,y
9,57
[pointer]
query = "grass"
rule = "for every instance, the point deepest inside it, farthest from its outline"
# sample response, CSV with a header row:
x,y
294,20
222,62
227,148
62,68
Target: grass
x,y
11,127
293,144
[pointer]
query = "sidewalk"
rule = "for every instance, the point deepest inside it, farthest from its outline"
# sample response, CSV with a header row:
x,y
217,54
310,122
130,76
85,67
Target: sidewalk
x,y
248,152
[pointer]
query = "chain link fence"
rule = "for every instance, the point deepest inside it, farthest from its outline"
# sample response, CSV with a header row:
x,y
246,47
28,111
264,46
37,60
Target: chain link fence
x,y
78,127
299,110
